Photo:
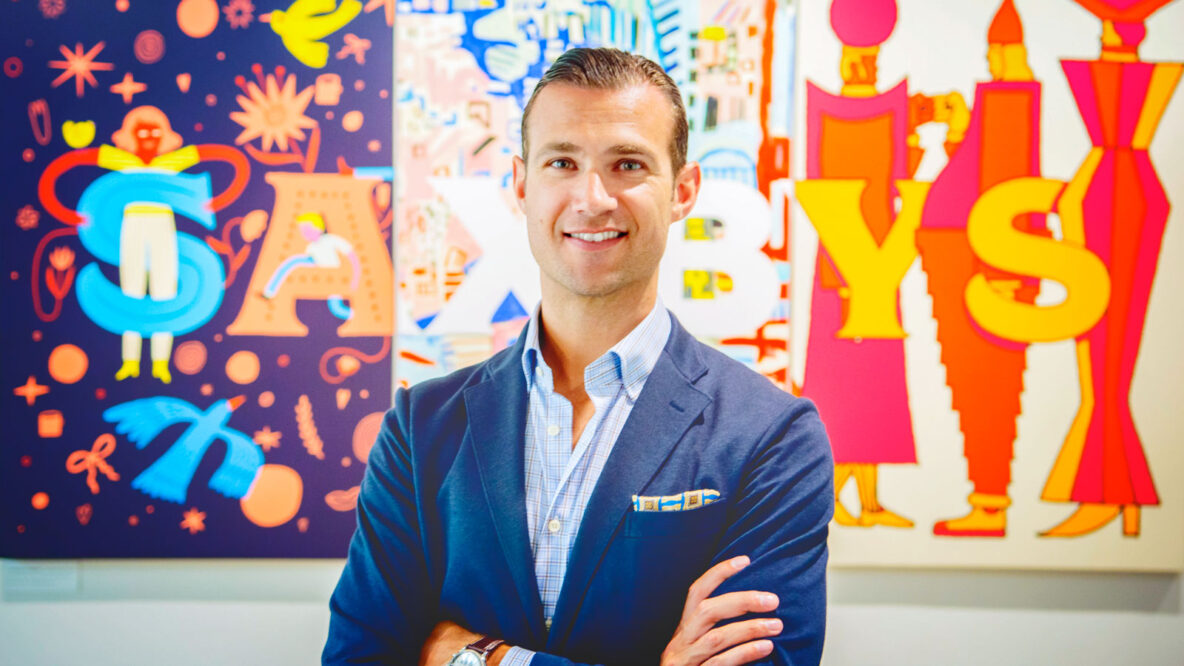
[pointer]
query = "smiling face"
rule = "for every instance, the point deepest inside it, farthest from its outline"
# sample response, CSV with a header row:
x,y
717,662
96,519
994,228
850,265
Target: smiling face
x,y
598,190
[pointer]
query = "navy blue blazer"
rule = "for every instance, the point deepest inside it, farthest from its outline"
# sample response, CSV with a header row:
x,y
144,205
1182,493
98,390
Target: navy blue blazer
x,y
442,517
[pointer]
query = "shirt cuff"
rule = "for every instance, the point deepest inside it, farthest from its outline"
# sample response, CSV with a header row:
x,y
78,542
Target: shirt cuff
x,y
517,656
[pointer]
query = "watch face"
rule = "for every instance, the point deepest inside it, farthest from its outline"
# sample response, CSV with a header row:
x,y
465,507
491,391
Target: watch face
x,y
467,657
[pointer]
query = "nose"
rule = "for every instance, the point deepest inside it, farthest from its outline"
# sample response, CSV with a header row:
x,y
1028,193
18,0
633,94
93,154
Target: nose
x,y
594,198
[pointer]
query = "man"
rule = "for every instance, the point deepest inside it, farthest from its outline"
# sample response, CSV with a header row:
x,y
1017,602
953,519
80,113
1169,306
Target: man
x,y
525,499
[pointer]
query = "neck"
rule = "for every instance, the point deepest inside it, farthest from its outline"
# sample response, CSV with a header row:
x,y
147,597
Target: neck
x,y
574,331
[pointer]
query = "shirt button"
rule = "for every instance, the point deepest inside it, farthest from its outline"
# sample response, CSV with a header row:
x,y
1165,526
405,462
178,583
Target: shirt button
x,y
553,525
553,430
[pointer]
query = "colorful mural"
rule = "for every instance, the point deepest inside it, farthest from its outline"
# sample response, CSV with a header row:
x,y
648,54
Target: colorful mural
x,y
945,242
467,283
204,320
211,179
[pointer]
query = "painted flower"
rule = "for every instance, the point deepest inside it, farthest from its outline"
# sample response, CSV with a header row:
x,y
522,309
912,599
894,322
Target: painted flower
x,y
27,217
195,521
52,9
239,13
267,438
62,258
276,115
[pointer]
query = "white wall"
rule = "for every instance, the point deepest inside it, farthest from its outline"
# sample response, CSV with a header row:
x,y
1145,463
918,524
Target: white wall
x,y
275,612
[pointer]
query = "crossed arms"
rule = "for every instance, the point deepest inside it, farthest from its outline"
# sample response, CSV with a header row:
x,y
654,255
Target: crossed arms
x,y
388,606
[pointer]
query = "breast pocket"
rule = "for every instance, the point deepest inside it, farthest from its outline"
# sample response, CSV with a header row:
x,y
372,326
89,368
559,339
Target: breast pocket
x,y
706,522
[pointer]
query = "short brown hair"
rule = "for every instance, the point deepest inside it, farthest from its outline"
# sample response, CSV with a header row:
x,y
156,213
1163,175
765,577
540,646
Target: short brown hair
x,y
613,69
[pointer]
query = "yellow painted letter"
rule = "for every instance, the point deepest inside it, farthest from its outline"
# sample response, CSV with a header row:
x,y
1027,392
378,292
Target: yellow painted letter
x,y
998,243
872,272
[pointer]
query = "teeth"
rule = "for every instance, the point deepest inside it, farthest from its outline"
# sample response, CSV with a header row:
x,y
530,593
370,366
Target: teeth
x,y
598,237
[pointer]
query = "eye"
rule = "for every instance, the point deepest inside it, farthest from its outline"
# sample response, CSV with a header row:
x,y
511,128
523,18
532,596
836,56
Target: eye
x,y
631,165
561,163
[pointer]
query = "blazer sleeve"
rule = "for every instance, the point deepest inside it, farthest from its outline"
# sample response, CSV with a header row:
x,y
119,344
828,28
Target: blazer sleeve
x,y
382,608
782,510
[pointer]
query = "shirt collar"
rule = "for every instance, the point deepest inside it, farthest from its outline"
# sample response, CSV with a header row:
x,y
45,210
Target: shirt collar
x,y
629,362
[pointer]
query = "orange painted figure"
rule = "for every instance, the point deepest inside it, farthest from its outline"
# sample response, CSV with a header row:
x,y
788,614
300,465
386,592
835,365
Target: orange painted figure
x,y
984,372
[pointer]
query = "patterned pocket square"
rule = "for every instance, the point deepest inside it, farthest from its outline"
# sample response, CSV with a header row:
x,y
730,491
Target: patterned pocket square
x,y
691,499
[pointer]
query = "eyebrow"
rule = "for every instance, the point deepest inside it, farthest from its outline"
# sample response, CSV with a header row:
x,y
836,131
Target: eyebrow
x,y
558,147
619,149
630,149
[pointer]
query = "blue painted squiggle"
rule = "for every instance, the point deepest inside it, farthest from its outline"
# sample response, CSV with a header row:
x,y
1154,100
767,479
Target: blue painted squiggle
x,y
200,273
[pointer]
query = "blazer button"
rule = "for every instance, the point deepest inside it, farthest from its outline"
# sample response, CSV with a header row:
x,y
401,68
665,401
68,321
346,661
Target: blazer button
x,y
553,525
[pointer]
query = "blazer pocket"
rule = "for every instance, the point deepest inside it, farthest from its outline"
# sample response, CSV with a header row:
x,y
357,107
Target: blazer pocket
x,y
676,525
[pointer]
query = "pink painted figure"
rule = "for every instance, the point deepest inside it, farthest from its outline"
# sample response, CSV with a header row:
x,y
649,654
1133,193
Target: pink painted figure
x,y
1117,207
859,384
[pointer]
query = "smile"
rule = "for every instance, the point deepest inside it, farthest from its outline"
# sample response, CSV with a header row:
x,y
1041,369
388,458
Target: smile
x,y
599,237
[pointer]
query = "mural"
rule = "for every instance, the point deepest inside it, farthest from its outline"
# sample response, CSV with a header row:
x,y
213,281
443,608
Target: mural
x,y
466,281
211,179
204,321
966,260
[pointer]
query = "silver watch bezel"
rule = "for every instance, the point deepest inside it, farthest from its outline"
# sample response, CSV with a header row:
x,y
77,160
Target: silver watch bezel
x,y
477,655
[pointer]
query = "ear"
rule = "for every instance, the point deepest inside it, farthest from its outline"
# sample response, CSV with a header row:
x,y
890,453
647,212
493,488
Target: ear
x,y
520,183
686,191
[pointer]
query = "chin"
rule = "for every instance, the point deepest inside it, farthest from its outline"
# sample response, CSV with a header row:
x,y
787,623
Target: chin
x,y
591,288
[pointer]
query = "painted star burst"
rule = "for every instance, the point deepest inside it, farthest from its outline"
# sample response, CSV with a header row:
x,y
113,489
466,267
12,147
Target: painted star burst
x,y
277,115
80,66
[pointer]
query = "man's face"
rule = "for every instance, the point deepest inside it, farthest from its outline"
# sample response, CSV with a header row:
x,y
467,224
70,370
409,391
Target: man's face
x,y
598,191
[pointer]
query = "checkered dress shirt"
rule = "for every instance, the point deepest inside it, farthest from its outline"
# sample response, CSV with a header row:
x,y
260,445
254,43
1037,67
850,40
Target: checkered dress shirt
x,y
560,478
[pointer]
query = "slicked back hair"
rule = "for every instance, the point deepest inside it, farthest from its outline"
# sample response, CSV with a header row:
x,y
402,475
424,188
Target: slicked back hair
x,y
613,69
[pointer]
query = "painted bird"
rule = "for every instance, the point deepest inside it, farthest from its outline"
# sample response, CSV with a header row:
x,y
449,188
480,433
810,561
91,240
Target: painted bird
x,y
168,478
305,22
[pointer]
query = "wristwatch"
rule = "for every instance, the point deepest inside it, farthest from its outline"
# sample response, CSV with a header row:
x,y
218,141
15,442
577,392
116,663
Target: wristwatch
x,y
475,653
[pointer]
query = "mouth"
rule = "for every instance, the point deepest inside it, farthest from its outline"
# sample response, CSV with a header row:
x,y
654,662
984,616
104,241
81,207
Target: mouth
x,y
597,237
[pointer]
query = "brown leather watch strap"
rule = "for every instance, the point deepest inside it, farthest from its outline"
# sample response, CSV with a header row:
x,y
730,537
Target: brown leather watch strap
x,y
485,645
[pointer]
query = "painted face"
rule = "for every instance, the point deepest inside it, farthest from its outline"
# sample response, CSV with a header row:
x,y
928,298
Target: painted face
x,y
598,191
147,139
310,232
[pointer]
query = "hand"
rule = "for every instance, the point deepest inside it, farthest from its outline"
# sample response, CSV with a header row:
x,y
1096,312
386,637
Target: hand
x,y
448,638
697,642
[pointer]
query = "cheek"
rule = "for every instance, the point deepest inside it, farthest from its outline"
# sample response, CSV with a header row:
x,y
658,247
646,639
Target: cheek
x,y
537,231
543,207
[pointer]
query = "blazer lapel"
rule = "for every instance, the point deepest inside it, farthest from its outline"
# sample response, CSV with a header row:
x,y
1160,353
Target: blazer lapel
x,y
497,424
666,408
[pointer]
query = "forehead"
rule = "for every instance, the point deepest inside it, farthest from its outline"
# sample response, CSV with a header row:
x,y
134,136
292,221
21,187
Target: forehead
x,y
591,118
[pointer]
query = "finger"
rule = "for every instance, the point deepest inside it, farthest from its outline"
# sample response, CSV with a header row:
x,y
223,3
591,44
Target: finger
x,y
742,654
706,584
722,638
726,606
